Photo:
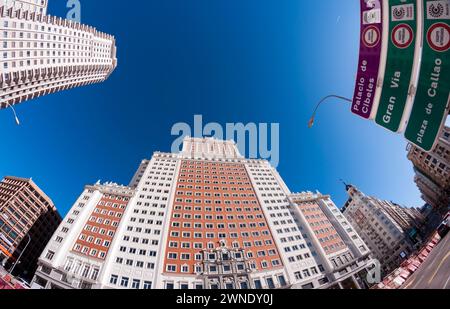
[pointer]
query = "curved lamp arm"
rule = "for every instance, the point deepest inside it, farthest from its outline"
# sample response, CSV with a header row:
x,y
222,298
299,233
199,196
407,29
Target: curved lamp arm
x,y
14,112
311,121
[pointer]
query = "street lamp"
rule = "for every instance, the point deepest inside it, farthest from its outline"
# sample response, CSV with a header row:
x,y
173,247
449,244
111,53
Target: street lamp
x,y
21,253
311,121
14,111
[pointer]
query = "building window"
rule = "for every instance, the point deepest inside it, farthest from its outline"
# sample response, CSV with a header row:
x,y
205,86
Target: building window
x,y
113,279
136,284
282,280
298,275
147,285
323,281
258,284
50,254
124,282
86,271
46,270
270,283
68,265
94,275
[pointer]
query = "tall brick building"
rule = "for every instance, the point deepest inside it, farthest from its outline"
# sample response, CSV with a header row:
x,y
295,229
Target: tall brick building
x,y
204,218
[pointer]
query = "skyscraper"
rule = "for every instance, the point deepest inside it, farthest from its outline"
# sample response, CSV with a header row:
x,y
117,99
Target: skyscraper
x,y
202,218
28,219
42,54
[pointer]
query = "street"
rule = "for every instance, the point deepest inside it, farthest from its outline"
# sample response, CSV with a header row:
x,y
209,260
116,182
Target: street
x,y
434,273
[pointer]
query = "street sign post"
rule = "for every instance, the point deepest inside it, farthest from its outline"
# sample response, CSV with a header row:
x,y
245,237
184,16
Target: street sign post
x,y
431,102
402,62
369,57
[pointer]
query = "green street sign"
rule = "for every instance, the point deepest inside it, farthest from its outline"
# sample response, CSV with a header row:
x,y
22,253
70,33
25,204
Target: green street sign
x,y
430,107
395,102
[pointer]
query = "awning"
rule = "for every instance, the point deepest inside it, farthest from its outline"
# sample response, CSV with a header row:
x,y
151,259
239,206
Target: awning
x,y
417,263
425,253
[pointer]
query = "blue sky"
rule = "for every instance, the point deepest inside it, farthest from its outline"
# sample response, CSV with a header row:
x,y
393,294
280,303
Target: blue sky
x,y
230,61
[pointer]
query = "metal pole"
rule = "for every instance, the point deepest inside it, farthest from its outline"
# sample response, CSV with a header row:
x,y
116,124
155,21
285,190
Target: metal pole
x,y
311,121
21,253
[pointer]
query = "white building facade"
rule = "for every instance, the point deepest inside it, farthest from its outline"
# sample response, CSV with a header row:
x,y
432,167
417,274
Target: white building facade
x,y
77,255
386,239
337,246
38,7
42,54
205,218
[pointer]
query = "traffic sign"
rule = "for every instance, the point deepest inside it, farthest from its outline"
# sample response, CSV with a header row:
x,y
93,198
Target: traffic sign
x,y
369,57
432,98
401,65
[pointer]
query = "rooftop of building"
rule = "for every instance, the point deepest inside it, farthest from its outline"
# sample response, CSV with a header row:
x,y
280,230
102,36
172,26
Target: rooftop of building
x,y
112,188
306,196
55,20
41,193
33,184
